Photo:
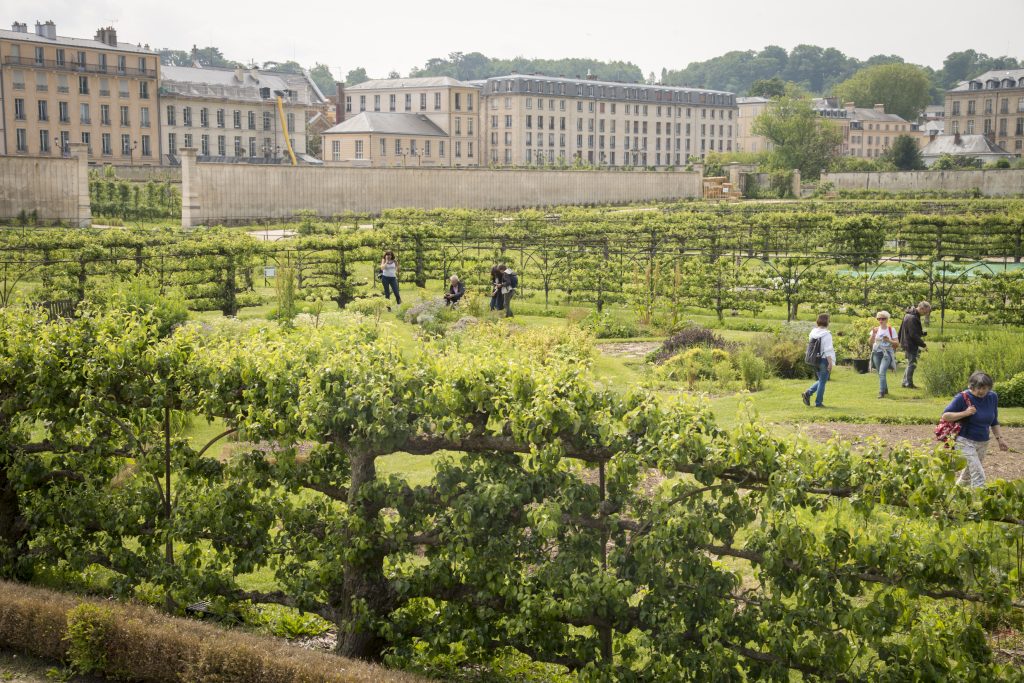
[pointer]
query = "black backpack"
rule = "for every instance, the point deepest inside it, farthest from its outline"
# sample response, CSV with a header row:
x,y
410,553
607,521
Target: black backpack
x,y
513,280
813,355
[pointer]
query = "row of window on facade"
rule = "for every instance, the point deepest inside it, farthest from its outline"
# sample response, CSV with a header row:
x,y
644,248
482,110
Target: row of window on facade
x,y
989,128
63,86
634,109
79,59
220,114
637,126
239,149
542,157
61,142
408,102
405,149
637,142
1004,106
618,92
84,113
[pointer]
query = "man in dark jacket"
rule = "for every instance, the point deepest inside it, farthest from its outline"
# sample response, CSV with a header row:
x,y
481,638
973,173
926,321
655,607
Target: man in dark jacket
x,y
911,336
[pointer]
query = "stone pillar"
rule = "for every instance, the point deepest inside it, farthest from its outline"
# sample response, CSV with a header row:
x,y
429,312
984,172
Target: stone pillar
x,y
796,183
189,188
79,151
733,172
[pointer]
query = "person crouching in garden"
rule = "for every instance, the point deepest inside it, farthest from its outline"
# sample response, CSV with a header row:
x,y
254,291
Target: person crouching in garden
x,y
977,411
826,360
455,291
884,343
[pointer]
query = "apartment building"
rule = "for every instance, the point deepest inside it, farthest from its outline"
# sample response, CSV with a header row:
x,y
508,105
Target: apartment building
x,y
233,114
748,109
407,122
992,105
541,120
870,132
55,90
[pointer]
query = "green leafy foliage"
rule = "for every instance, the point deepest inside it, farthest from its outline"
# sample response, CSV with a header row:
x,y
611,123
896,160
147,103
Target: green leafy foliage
x,y
539,534
1011,391
946,369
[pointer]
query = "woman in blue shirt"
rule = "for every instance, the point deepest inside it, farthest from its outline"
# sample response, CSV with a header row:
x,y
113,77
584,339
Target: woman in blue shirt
x,y
977,411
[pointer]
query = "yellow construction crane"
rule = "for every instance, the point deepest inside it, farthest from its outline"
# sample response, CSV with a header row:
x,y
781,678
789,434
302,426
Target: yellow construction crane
x,y
284,127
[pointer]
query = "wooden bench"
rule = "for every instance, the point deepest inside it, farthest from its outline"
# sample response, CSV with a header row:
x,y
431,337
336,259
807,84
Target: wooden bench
x,y
60,308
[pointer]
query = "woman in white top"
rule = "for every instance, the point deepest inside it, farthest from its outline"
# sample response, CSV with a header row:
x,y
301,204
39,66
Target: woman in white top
x,y
827,361
884,343
389,276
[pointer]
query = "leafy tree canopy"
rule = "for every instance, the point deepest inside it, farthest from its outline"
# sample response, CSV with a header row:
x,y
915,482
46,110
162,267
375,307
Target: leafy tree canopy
x,y
904,89
356,76
905,154
474,65
802,139
323,78
768,87
207,56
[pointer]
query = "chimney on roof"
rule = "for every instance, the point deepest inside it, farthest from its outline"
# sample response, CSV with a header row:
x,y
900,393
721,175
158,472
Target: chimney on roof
x,y
880,108
19,27
590,76
107,36
849,106
47,30
240,75
339,102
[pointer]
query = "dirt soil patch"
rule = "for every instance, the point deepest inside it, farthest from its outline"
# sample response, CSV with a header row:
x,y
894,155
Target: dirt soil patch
x,y
998,464
628,349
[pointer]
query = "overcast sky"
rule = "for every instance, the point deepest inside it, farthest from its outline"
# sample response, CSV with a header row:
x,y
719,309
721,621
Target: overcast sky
x,y
400,34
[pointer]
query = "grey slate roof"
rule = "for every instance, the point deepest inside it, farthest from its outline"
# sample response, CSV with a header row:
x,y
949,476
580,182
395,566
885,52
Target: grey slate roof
x,y
1014,74
190,81
73,42
388,123
969,145
393,83
752,100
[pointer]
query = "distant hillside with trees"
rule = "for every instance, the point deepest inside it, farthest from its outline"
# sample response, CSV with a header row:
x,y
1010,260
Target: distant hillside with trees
x,y
474,65
817,70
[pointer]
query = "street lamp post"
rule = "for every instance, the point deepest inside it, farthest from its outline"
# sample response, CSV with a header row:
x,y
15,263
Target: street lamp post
x,y
131,152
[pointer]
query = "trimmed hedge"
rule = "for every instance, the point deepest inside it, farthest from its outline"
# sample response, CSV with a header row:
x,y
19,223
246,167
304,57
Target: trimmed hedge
x,y
139,643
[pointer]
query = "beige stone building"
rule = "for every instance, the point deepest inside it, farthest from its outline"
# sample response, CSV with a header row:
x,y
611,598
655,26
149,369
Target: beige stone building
x,y
58,90
379,139
540,120
871,132
992,105
424,121
748,109
233,115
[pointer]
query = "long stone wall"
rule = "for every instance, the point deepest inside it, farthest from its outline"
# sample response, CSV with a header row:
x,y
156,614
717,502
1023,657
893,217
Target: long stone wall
x,y
237,193
56,189
991,183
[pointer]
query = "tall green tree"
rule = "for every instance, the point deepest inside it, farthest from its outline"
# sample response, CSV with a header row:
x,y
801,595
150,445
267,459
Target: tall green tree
x,y
356,76
904,89
768,87
324,79
905,154
802,139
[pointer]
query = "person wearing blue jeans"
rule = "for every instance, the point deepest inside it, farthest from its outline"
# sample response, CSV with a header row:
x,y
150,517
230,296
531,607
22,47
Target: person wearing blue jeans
x,y
389,276
826,362
884,343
